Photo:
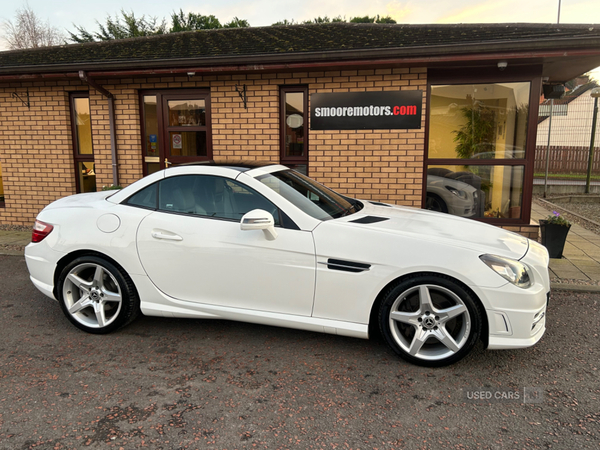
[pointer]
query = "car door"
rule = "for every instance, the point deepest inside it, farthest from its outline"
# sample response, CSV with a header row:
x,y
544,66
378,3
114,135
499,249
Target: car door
x,y
193,248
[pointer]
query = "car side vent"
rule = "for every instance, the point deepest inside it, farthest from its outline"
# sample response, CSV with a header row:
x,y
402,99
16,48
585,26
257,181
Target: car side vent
x,y
380,204
347,266
370,219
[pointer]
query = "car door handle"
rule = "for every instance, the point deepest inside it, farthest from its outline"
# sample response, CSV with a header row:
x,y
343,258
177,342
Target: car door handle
x,y
166,237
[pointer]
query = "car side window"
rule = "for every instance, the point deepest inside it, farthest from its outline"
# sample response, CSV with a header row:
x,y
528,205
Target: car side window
x,y
211,196
146,198
176,194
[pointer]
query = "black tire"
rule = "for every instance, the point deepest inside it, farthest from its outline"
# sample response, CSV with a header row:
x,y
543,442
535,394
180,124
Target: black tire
x,y
435,332
97,296
434,202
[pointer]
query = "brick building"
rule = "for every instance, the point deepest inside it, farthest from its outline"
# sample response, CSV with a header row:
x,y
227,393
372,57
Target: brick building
x,y
78,117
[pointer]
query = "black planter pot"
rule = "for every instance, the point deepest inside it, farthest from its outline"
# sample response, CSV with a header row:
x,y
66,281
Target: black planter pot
x,y
554,237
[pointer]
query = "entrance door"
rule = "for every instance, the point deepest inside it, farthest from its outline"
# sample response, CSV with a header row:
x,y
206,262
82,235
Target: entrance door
x,y
176,128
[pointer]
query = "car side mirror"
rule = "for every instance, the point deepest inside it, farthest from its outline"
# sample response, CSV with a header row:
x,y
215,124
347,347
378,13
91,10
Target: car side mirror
x,y
259,219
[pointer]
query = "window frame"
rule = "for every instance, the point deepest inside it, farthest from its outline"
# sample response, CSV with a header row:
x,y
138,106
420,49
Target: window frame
x,y
513,74
293,161
2,202
78,157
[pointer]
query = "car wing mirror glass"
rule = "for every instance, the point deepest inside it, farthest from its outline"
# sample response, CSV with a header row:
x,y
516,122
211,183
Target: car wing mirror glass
x,y
259,219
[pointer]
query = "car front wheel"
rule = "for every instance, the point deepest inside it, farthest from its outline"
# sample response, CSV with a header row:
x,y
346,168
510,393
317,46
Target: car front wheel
x,y
434,203
430,320
96,296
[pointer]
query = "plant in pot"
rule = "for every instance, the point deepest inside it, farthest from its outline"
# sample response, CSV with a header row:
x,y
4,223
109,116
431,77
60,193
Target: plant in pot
x,y
554,233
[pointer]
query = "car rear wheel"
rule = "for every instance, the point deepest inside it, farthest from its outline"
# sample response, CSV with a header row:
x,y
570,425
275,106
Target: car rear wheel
x,y
430,320
96,296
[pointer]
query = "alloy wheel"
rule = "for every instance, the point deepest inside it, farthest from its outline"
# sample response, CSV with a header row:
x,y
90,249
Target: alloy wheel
x,y
92,295
430,322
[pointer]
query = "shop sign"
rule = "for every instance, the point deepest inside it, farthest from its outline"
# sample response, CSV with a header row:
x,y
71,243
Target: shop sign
x,y
380,110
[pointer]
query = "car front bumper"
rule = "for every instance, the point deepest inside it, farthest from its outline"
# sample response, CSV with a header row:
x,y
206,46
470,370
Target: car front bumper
x,y
517,318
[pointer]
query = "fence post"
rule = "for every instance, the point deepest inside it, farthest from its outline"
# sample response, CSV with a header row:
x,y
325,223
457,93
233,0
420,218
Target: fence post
x,y
595,94
548,148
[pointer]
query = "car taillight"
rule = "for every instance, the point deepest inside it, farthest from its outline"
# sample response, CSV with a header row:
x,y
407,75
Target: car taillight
x,y
40,231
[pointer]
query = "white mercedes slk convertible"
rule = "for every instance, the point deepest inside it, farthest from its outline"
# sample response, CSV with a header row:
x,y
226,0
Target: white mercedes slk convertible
x,y
264,244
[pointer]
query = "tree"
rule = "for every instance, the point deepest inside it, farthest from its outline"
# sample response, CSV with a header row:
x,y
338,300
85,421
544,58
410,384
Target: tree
x,y
129,27
285,22
386,19
237,23
365,19
376,19
29,31
324,20
319,20
192,22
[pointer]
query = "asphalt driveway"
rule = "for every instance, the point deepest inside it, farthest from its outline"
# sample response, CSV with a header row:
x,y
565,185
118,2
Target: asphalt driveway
x,y
171,384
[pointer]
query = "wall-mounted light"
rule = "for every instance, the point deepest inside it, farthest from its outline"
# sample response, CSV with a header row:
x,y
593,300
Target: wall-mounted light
x,y
191,74
502,65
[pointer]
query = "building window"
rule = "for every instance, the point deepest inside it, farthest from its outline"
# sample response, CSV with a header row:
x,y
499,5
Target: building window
x,y
294,127
176,128
83,150
1,189
477,150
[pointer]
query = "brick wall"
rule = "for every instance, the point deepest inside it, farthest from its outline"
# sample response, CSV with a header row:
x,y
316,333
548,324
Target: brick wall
x,y
531,231
35,148
37,156
383,165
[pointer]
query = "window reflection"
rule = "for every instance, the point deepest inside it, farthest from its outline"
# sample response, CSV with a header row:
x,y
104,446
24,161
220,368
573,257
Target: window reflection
x,y
151,125
476,191
479,121
83,149
294,124
187,113
83,126
475,122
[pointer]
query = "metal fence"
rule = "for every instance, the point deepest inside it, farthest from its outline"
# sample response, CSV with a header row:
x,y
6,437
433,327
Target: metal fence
x,y
570,136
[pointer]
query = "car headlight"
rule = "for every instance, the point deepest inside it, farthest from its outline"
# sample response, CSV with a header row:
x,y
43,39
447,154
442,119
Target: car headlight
x,y
512,270
457,192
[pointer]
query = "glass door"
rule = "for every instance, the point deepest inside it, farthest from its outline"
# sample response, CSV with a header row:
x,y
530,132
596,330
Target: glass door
x,y
185,128
176,128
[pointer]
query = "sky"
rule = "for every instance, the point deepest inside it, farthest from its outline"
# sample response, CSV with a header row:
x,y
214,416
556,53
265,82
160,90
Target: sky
x,y
84,13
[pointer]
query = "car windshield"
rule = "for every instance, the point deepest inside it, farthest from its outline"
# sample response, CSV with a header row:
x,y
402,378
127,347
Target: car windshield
x,y
311,197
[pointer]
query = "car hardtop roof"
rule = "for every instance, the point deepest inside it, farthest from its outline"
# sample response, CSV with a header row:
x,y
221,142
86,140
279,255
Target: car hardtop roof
x,y
240,165
235,167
